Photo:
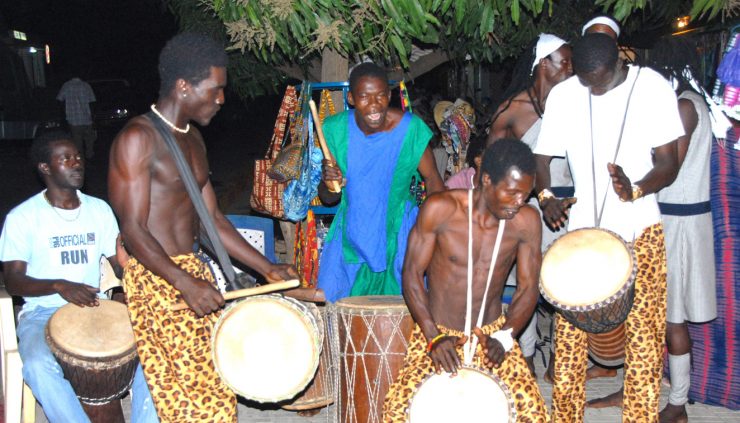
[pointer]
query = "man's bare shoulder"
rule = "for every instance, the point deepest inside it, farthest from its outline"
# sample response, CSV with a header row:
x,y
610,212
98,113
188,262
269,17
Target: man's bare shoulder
x,y
139,132
442,205
527,220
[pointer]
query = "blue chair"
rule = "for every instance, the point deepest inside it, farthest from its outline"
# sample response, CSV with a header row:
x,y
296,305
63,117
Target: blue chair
x,y
258,231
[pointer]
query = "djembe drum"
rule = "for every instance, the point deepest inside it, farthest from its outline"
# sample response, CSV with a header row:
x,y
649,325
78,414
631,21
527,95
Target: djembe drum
x,y
96,349
370,338
320,391
267,348
607,349
588,275
474,395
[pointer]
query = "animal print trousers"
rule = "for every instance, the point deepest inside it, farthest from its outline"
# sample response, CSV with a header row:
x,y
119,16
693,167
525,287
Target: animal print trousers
x,y
175,347
530,406
645,340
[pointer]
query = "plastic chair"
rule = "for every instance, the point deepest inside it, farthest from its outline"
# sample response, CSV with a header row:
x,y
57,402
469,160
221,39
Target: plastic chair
x,y
20,404
258,231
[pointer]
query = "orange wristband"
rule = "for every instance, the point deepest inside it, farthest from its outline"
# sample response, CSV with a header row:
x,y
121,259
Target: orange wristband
x,y
434,340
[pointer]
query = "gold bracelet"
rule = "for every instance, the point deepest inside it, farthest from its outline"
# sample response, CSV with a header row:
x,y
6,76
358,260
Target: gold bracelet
x,y
545,193
636,192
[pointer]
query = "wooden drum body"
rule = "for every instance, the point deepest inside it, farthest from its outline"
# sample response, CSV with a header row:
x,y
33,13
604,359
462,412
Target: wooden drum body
x,y
474,395
267,348
589,276
96,349
607,349
321,390
371,337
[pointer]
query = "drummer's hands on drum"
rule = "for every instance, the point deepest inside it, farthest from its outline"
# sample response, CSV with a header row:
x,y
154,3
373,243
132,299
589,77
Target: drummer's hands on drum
x,y
78,293
280,272
201,296
493,351
621,183
444,354
555,210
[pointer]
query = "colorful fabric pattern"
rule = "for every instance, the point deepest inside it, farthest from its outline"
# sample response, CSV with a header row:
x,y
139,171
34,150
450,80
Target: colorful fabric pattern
x,y
175,347
530,406
715,376
645,341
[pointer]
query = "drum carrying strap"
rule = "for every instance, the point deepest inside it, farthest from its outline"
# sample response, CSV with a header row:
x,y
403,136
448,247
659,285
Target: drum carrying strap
x,y
200,206
599,214
472,343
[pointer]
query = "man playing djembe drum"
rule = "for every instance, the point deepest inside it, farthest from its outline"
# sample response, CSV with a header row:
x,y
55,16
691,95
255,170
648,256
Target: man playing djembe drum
x,y
159,225
607,110
49,263
438,248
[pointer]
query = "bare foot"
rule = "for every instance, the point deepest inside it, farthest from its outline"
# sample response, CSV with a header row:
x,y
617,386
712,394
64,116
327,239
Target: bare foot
x,y
549,375
530,364
597,371
611,400
673,414
309,413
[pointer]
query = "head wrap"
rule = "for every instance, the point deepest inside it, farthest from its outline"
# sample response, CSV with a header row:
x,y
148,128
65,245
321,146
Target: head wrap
x,y
603,20
546,45
456,122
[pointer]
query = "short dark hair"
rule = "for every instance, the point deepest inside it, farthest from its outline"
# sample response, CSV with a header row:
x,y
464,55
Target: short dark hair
x,y
594,51
190,56
505,153
476,148
41,146
366,69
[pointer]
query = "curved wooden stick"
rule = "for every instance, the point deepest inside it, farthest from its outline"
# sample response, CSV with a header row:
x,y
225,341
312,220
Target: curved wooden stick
x,y
247,292
332,185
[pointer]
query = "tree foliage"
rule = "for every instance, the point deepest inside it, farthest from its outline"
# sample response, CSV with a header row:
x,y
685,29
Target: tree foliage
x,y
269,35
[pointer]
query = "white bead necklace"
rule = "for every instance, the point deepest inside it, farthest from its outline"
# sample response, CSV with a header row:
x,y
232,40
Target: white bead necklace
x,y
170,124
61,216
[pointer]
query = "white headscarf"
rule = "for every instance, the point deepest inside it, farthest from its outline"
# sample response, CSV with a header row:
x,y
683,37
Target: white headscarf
x,y
603,20
546,45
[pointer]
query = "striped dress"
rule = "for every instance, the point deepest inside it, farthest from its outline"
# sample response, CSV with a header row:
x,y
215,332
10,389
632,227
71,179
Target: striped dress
x,y
715,377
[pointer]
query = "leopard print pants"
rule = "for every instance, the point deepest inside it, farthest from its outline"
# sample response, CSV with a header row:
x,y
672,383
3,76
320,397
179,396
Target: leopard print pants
x,y
530,406
175,347
645,340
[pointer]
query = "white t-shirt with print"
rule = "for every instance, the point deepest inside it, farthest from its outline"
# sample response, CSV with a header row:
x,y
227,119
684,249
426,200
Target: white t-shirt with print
x,y
652,121
55,248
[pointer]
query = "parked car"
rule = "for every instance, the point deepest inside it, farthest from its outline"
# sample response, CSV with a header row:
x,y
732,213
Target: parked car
x,y
114,101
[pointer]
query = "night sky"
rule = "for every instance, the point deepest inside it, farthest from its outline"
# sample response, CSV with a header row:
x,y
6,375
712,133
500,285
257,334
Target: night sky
x,y
95,38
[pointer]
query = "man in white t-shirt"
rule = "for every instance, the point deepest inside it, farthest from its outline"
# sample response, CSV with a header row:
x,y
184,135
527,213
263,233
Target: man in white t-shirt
x,y
50,248
617,125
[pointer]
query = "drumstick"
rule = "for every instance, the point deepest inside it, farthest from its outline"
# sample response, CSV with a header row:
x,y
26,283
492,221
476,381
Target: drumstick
x,y
332,185
247,292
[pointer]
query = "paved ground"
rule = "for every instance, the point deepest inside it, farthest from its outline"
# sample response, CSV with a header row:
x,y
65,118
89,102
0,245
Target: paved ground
x,y
699,413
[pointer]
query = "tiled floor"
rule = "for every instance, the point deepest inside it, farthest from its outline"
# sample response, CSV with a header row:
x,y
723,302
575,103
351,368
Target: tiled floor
x,y
699,413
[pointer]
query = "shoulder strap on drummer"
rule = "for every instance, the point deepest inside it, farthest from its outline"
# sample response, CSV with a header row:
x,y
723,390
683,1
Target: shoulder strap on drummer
x,y
196,197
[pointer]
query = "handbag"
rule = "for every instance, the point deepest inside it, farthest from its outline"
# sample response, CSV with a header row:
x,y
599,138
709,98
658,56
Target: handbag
x,y
267,193
299,192
287,164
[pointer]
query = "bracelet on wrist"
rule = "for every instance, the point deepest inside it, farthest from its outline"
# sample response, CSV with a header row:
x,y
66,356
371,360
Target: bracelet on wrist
x,y
636,192
544,194
505,338
434,341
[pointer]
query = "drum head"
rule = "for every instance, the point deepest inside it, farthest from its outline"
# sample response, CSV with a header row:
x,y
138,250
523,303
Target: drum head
x,y
472,396
266,348
584,268
92,332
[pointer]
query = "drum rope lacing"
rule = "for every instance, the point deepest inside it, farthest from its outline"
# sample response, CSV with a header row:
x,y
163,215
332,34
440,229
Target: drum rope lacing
x,y
472,342
599,214
351,351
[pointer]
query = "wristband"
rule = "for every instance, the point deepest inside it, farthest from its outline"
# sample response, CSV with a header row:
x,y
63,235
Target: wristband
x,y
636,192
504,337
434,340
544,194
